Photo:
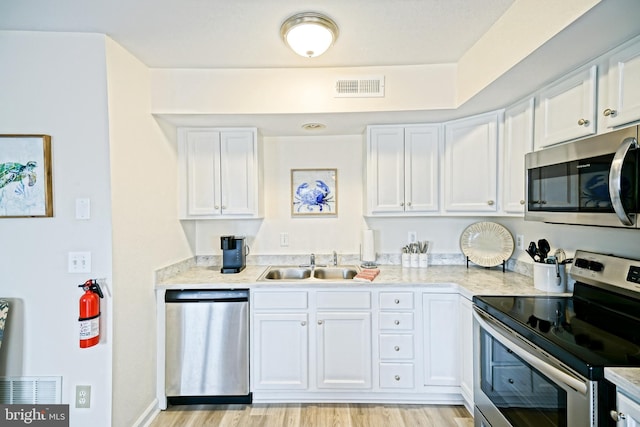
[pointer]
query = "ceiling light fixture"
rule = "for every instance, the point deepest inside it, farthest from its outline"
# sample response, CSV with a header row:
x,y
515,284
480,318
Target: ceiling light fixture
x,y
309,34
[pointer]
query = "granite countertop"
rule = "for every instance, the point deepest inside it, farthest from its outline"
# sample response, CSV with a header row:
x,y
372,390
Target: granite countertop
x,y
627,379
469,281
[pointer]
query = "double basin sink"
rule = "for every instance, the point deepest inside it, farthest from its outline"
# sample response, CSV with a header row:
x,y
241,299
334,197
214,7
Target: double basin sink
x,y
293,273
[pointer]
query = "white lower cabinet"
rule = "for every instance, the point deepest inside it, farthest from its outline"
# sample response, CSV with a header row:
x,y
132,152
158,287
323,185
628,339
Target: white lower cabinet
x,y
368,344
627,410
441,339
343,350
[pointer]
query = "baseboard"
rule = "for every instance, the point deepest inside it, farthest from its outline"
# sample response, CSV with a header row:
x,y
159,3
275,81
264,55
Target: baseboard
x,y
148,415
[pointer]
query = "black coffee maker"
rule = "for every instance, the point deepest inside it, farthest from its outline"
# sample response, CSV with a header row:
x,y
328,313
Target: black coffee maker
x,y
234,254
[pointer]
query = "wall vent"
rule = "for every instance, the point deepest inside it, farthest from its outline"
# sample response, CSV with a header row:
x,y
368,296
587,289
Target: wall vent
x,y
363,87
30,390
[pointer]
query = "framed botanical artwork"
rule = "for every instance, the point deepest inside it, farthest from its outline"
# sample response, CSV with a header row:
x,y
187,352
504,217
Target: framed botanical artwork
x,y
25,176
314,192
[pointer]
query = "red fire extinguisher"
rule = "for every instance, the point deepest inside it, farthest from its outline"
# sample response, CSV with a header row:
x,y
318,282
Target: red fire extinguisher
x,y
90,313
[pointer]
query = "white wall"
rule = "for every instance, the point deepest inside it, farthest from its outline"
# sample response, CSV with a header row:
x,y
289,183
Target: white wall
x,y
55,84
146,232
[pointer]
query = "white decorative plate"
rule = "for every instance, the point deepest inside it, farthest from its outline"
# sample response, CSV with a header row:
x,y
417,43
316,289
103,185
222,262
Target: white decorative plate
x,y
486,243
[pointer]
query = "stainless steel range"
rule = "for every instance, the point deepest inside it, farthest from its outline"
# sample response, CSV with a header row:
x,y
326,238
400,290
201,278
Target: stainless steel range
x,y
539,360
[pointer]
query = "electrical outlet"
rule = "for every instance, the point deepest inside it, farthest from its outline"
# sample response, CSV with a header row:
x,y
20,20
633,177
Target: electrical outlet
x,y
412,237
520,242
83,396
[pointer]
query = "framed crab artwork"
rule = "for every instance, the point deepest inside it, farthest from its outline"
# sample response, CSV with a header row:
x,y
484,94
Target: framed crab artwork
x,y
25,176
314,192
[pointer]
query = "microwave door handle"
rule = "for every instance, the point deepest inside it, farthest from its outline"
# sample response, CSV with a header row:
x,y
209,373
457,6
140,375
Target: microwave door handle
x,y
502,336
615,179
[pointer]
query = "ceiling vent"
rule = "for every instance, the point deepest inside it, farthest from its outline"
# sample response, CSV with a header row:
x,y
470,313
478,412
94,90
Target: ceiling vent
x,y
365,87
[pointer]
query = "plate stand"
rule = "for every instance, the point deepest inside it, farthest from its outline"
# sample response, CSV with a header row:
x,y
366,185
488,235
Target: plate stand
x,y
504,265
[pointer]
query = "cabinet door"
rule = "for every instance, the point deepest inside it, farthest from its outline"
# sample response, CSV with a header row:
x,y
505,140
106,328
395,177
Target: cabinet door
x,y
344,350
567,110
200,157
280,351
385,170
421,159
238,172
441,339
470,178
624,87
518,140
630,409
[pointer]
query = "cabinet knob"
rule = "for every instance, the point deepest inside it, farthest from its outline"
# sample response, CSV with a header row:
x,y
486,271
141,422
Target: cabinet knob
x,y
397,301
216,207
397,322
522,202
224,207
396,348
401,203
511,381
303,323
609,112
319,322
617,416
490,202
408,203
583,122
397,377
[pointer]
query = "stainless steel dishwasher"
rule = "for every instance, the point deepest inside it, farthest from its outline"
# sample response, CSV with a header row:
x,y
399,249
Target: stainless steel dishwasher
x,y
207,346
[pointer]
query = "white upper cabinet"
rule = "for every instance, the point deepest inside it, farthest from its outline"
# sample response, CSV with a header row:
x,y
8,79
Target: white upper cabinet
x,y
518,140
622,106
402,169
470,164
567,109
219,173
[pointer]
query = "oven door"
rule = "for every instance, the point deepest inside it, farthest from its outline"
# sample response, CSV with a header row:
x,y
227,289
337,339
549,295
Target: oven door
x,y
517,384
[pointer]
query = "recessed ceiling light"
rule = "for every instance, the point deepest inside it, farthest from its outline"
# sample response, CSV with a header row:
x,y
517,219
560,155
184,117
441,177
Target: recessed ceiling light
x,y
309,34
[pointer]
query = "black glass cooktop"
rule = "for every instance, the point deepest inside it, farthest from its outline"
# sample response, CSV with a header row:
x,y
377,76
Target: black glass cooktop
x,y
579,331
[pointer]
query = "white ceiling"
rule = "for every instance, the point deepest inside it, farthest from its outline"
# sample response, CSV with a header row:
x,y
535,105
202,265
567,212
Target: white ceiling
x,y
246,34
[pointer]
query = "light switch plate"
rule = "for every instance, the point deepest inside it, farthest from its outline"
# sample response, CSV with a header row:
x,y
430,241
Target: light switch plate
x,y
83,209
79,262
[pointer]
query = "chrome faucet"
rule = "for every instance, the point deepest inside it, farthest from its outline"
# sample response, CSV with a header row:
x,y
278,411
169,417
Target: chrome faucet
x,y
335,259
312,260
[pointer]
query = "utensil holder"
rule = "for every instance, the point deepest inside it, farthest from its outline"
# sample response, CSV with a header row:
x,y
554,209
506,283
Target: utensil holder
x,y
550,277
406,259
415,260
423,260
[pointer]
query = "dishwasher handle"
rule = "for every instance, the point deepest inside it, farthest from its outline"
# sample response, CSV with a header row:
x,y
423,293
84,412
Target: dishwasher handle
x,y
206,295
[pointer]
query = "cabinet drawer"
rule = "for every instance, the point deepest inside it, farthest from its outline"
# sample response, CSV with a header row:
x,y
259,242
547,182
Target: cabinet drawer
x,y
279,300
331,300
396,321
516,379
396,375
396,300
396,346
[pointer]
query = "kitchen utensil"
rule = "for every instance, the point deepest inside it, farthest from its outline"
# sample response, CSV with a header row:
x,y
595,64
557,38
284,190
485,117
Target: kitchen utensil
x,y
532,250
543,249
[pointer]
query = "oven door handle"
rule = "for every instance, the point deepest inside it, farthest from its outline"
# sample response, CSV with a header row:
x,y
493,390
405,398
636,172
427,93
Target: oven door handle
x,y
615,179
507,338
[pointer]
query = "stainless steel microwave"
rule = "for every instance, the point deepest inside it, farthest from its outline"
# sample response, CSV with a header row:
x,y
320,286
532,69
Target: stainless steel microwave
x,y
593,181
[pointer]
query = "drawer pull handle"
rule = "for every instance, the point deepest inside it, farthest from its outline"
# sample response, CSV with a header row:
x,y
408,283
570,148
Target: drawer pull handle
x,y
397,301
397,377
397,322
396,348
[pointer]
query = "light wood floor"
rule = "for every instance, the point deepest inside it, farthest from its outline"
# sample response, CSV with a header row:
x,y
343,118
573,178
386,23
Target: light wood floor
x,y
316,415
